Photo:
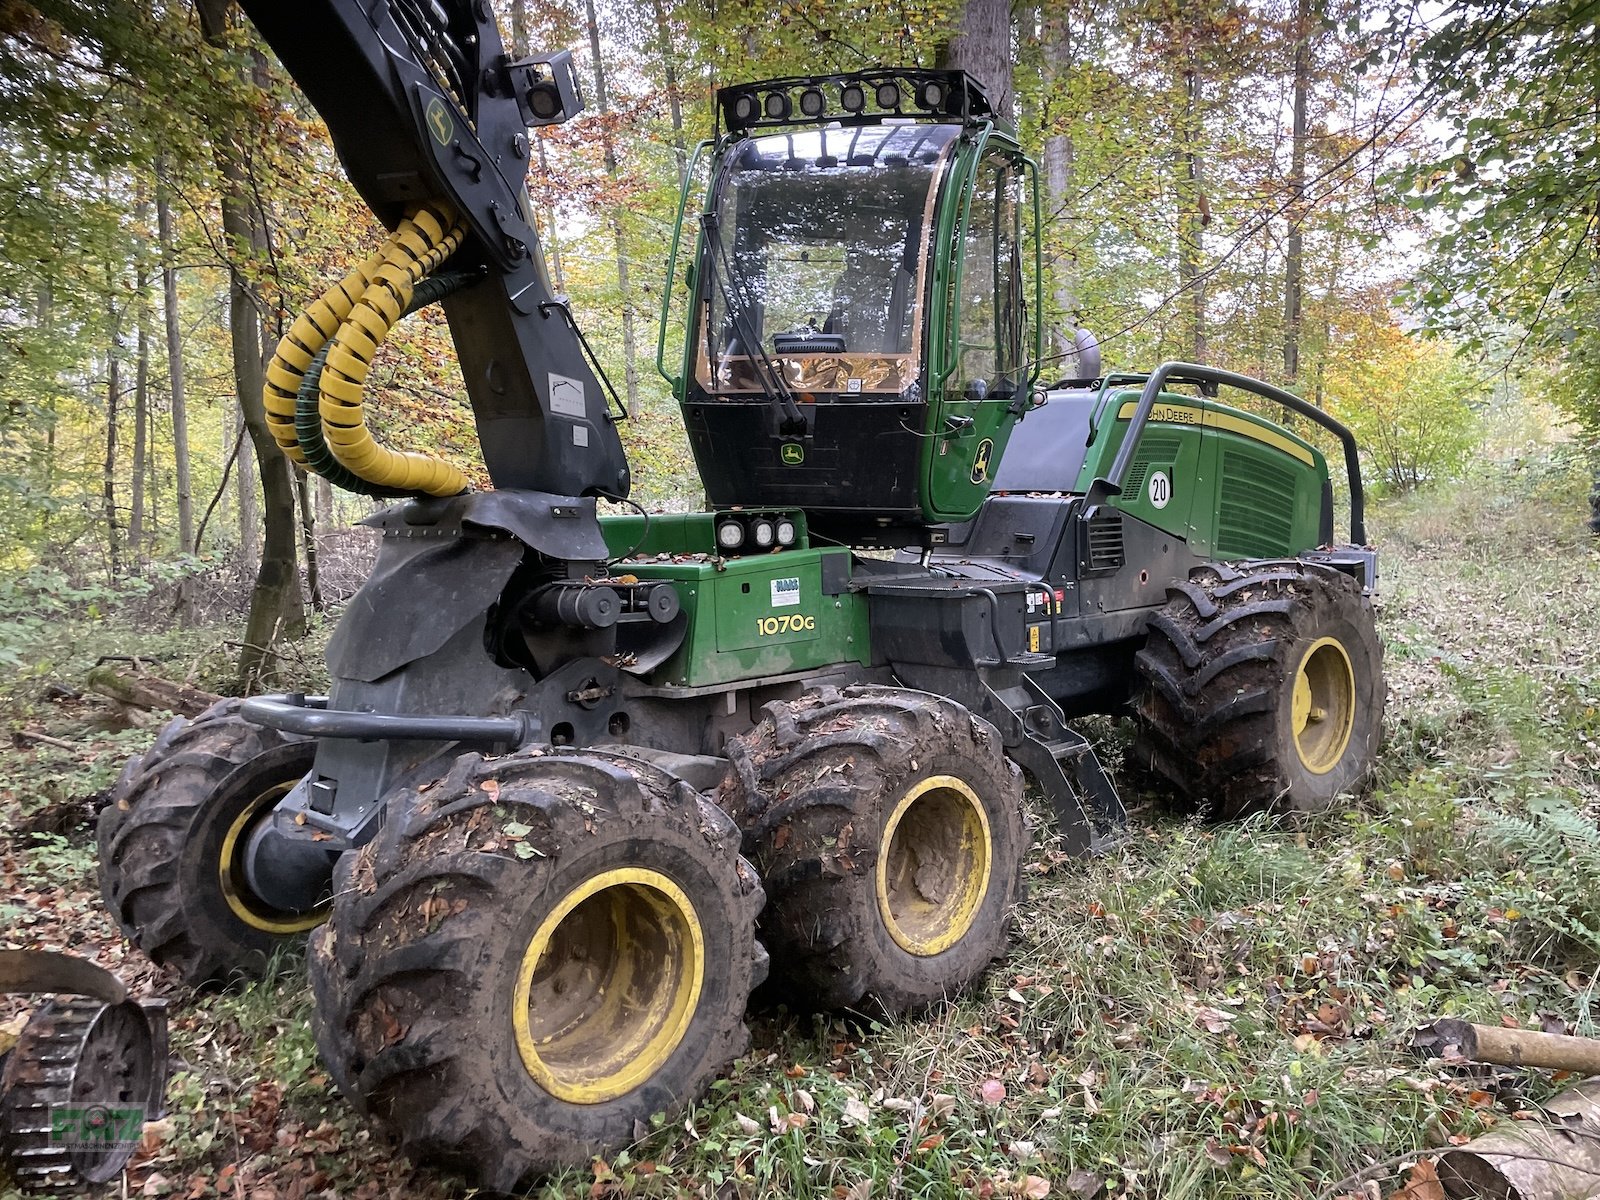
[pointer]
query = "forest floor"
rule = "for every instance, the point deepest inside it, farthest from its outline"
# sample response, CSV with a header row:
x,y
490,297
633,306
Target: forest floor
x,y
1204,1012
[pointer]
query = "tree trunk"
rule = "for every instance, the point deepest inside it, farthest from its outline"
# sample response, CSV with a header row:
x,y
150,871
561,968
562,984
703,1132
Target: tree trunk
x,y
141,383
141,423
983,50
245,489
308,538
46,305
180,411
324,506
669,69
1059,163
630,366
1294,251
1193,216
108,478
276,607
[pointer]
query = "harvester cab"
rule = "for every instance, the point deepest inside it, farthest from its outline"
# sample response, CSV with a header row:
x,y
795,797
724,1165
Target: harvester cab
x,y
580,779
862,333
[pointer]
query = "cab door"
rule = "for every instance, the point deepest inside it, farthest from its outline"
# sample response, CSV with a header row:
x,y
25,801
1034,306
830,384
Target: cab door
x,y
982,362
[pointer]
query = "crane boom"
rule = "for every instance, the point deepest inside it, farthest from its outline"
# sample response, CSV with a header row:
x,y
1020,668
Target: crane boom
x,y
426,108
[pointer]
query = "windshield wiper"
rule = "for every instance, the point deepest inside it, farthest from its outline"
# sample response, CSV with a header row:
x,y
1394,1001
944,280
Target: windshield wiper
x,y
773,385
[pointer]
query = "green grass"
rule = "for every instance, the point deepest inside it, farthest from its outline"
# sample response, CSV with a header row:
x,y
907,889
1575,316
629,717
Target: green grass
x,y
1204,1012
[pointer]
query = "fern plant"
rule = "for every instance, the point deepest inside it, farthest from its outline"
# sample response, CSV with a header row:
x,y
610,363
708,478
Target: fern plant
x,y
1556,851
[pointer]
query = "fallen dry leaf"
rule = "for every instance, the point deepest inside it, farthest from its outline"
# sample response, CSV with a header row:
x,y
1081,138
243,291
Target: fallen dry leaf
x,y
1422,1183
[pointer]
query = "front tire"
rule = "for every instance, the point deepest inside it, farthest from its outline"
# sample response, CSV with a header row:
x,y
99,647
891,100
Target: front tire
x,y
535,954
888,828
172,843
1263,688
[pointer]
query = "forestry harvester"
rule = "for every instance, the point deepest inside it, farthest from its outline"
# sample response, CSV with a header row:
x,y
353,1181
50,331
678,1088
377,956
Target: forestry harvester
x,y
578,775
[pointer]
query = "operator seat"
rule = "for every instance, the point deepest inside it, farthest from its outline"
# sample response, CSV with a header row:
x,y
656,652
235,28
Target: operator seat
x,y
1048,446
869,303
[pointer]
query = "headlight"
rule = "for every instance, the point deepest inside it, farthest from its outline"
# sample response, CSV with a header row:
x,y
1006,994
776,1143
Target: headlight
x,y
786,533
730,535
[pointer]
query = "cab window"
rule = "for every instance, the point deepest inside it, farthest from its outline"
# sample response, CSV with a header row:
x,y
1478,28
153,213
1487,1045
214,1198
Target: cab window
x,y
991,360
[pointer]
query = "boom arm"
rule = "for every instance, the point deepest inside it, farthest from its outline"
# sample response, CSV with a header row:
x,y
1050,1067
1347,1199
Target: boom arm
x,y
425,107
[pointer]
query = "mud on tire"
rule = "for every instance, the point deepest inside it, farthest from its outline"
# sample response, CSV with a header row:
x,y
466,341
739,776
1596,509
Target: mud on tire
x,y
1218,714
535,953
171,837
867,812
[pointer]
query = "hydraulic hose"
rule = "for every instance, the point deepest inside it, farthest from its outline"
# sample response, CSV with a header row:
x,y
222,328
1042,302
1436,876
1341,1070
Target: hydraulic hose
x,y
345,327
307,407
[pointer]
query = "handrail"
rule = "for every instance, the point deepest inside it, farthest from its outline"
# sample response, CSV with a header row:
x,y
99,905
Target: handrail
x,y
1109,485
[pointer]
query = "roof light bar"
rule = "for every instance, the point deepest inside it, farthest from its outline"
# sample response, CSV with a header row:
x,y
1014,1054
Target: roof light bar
x,y
856,97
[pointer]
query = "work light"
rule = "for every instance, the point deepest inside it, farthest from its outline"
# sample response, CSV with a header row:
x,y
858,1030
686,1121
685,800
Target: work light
x,y
777,106
852,98
744,108
812,102
730,534
764,534
931,95
786,532
888,95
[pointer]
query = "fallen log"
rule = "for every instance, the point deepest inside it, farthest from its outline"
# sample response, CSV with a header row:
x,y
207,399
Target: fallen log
x,y
136,689
45,739
1509,1047
1554,1159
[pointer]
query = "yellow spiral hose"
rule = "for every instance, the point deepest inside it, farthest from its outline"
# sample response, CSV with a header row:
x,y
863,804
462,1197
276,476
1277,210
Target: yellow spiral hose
x,y
354,316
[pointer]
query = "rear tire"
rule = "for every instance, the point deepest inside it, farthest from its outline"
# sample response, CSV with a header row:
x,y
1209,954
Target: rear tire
x,y
172,838
888,828
1263,688
535,954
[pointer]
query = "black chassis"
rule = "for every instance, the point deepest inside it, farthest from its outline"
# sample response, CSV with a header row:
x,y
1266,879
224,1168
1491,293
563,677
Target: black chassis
x,y
1029,614
421,674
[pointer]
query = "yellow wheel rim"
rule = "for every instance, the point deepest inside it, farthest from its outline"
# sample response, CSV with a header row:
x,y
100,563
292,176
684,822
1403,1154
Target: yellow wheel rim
x,y
933,865
1324,705
608,985
236,888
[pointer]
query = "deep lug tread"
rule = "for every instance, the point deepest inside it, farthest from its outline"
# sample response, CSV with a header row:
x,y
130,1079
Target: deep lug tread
x,y
810,786
446,1076
1218,670
153,824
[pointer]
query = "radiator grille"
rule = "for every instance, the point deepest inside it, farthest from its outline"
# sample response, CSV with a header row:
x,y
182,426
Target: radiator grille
x,y
1255,518
1105,542
1156,446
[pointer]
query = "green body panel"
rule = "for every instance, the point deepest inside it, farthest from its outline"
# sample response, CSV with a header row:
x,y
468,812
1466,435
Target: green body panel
x,y
749,618
1236,485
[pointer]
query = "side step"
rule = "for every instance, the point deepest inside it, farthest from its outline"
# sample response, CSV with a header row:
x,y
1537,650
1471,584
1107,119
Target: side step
x,y
1088,810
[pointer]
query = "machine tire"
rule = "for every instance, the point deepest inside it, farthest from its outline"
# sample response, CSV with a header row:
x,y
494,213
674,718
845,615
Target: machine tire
x,y
825,788
458,998
1221,668
172,815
